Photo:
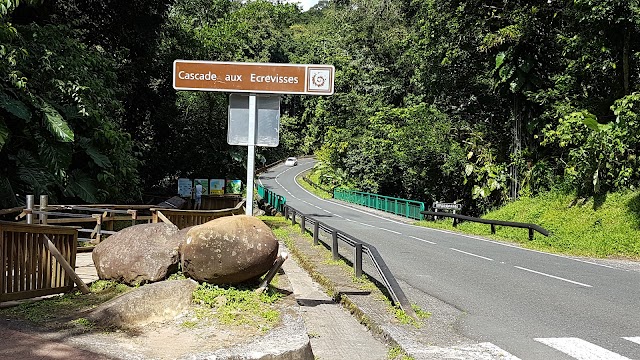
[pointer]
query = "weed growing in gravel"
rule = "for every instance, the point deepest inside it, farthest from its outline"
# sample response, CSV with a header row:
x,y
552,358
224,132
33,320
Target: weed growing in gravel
x,y
234,306
396,353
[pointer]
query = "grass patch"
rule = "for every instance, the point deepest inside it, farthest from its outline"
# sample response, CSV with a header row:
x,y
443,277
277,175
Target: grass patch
x,y
605,227
286,232
315,177
66,305
83,323
238,306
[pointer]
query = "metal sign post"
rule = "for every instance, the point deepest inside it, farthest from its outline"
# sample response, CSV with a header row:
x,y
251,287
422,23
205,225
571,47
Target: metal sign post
x,y
251,152
254,78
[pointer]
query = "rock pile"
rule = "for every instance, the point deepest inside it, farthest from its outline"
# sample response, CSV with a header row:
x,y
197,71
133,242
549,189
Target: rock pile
x,y
227,250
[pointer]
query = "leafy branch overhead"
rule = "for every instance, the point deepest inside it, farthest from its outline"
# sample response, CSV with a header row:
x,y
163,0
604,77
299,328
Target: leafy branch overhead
x,y
435,100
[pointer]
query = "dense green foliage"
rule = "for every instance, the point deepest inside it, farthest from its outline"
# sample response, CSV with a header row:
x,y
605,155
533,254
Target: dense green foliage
x,y
445,100
604,226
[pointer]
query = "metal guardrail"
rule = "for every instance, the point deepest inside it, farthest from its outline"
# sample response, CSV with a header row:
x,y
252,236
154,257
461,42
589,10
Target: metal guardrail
x,y
403,207
360,247
278,202
493,223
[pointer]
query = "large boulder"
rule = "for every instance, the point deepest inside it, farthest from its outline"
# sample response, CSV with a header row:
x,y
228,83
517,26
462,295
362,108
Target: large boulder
x,y
150,303
229,250
139,254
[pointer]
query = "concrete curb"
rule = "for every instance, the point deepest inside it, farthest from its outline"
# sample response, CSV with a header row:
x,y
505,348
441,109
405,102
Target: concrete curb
x,y
288,342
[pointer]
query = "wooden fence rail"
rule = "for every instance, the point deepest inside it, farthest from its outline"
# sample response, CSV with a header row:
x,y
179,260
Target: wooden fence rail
x,y
36,260
185,218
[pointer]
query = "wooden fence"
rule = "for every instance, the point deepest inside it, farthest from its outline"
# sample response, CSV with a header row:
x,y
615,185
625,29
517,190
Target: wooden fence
x,y
30,266
185,218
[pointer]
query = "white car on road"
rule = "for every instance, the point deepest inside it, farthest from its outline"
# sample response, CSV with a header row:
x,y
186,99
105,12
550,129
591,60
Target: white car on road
x,y
291,161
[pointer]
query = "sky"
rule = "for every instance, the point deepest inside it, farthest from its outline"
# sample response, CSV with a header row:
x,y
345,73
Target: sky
x,y
306,4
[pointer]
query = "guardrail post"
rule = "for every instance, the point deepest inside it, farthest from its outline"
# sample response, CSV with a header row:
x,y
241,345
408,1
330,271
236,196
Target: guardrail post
x,y
357,260
530,234
334,244
44,202
286,213
30,202
455,222
303,228
316,230
493,228
293,217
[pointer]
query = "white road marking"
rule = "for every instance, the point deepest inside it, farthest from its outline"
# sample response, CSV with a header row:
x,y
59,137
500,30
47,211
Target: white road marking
x,y
514,246
340,216
633,339
592,263
468,253
481,351
391,231
423,240
439,230
552,276
580,349
367,225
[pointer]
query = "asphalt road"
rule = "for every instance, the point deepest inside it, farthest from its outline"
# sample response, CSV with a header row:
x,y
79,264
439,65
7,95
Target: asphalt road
x,y
531,304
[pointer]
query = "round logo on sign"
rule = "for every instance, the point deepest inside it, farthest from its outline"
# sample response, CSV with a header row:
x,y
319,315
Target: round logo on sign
x,y
318,80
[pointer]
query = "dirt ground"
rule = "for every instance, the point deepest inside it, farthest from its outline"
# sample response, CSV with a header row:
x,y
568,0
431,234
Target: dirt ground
x,y
174,338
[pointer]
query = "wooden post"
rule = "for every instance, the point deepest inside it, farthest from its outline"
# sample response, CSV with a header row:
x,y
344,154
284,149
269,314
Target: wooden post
x,y
134,216
65,265
98,228
164,219
303,228
334,245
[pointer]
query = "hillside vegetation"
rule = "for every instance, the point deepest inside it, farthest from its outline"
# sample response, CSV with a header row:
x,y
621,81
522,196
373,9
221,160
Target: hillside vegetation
x,y
468,100
608,226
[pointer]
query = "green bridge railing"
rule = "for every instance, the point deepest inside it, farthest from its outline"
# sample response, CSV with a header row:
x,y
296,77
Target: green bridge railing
x,y
273,199
403,207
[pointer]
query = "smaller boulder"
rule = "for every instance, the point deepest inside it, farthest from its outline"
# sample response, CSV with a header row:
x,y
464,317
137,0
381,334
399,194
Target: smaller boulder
x,y
139,254
149,303
229,250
